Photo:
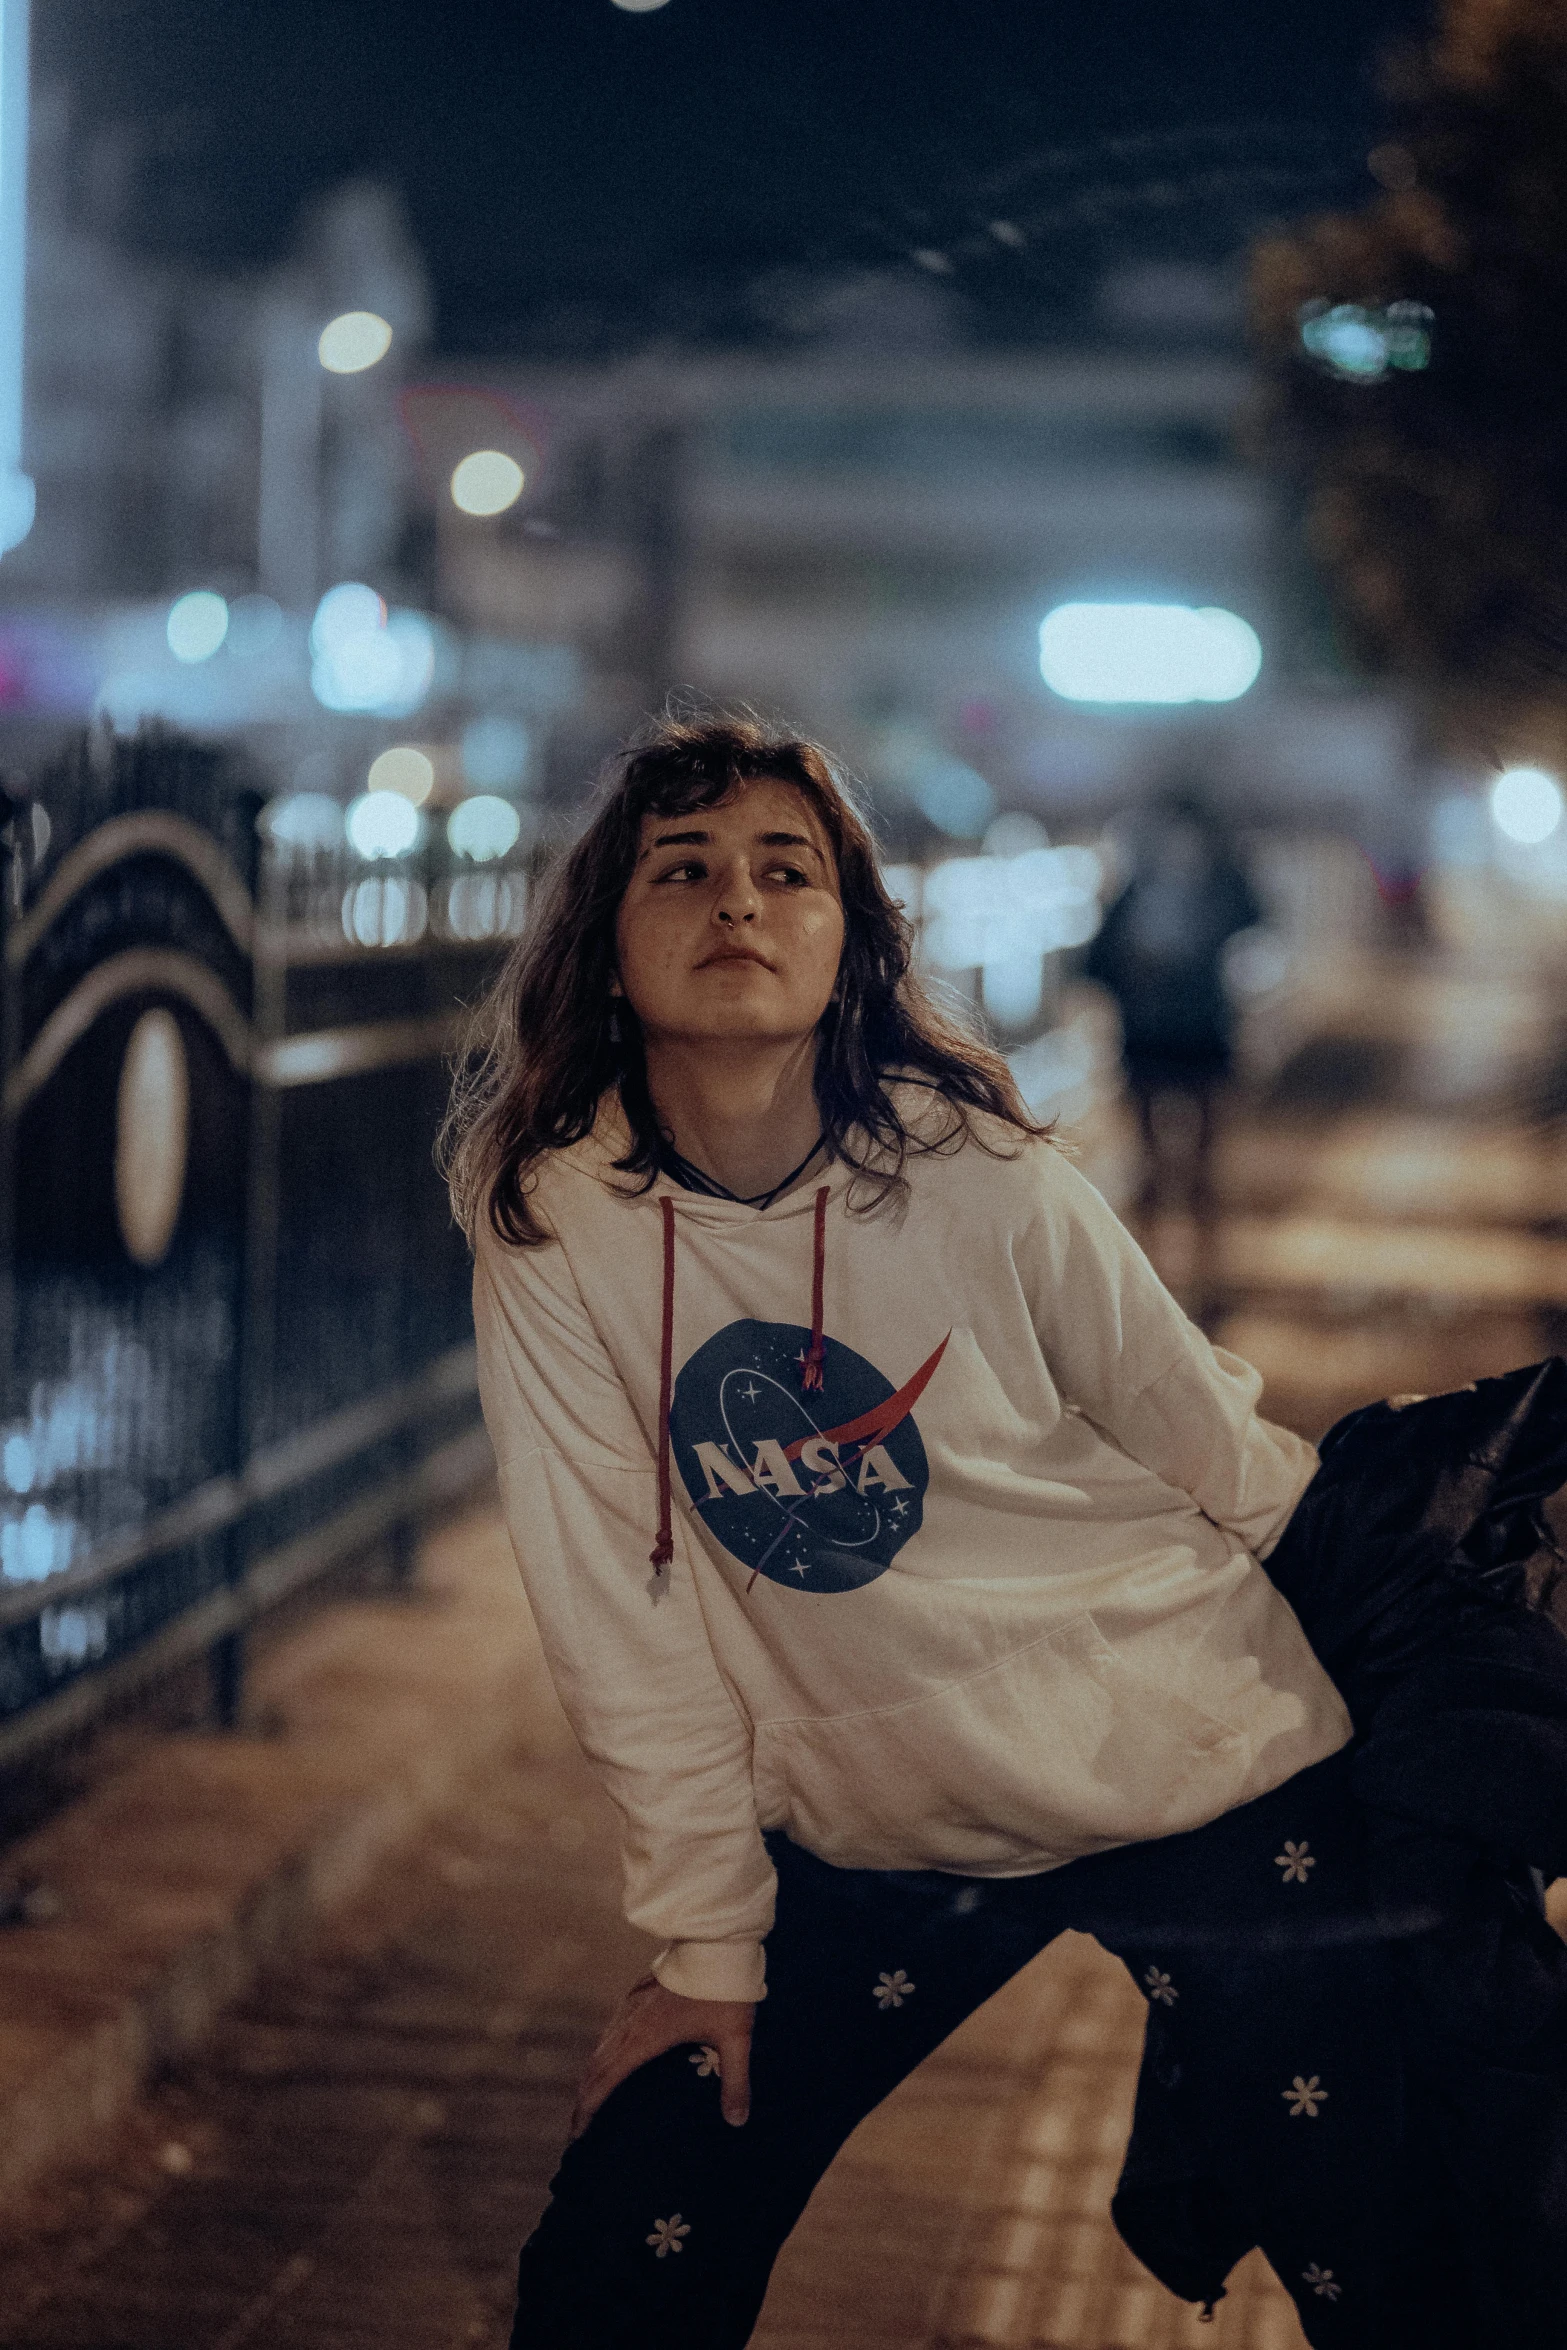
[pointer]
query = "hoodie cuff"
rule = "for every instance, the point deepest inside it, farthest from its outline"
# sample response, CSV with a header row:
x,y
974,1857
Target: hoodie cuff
x,y
713,1970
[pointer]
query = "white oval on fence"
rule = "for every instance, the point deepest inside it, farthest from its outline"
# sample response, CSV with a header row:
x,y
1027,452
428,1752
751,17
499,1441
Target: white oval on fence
x,y
151,1136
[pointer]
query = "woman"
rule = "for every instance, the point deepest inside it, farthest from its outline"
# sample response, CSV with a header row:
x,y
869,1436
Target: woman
x,y
1160,955
893,1540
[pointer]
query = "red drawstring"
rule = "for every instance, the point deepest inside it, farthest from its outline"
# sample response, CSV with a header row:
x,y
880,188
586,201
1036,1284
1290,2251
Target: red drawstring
x,y
816,1355
663,1549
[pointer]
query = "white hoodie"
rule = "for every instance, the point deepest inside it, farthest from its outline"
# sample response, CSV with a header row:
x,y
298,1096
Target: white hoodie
x,y
986,1601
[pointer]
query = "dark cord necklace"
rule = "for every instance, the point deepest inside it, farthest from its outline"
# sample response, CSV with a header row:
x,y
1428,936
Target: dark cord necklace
x,y
680,1170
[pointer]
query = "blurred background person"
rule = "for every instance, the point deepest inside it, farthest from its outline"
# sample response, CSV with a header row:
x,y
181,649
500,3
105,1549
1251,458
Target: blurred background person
x,y
1160,954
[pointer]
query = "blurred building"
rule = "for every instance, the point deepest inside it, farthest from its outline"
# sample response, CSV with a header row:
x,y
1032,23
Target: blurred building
x,y
864,535
179,427
187,441
858,522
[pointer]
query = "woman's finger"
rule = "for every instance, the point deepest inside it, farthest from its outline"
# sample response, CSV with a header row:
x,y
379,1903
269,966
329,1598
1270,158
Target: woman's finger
x,y
632,2040
651,2021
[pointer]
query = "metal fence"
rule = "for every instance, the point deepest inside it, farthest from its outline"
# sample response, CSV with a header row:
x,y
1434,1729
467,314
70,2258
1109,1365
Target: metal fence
x,y
235,1342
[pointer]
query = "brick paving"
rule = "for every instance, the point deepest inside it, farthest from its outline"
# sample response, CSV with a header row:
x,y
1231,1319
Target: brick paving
x,y
355,2157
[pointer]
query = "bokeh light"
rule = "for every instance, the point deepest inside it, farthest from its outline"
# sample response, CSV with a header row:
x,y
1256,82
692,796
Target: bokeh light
x,y
1147,653
483,828
385,911
486,905
197,625
1361,343
1526,805
354,342
304,820
640,7
366,658
382,824
487,482
405,770
983,907
1002,913
347,611
953,796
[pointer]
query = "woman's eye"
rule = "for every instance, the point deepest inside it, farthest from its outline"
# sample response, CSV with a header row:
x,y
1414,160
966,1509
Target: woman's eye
x,y
688,869
792,875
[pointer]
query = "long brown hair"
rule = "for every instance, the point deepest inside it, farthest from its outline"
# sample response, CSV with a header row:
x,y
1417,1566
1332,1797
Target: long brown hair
x,y
551,1039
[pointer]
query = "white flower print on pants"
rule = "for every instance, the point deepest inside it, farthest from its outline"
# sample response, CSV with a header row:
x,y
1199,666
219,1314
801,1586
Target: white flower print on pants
x,y
1304,2097
1295,1860
892,1990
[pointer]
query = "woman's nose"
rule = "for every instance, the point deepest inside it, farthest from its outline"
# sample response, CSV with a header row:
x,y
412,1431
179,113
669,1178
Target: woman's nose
x,y
736,897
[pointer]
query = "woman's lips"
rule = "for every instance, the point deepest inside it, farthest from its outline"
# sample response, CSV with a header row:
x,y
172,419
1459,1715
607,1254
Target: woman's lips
x,y
733,955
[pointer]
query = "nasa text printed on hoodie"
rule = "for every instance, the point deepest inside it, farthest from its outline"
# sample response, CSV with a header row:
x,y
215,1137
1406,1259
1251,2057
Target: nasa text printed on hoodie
x,y
985,1600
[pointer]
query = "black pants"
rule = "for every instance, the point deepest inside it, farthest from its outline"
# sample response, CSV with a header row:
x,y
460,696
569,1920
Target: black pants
x,y
1252,1943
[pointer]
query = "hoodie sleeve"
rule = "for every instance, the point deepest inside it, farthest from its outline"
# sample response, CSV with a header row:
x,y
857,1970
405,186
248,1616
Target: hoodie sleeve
x,y
636,1677
1120,1349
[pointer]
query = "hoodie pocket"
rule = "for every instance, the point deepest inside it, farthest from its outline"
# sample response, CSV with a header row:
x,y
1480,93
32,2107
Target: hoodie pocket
x,y
1057,1750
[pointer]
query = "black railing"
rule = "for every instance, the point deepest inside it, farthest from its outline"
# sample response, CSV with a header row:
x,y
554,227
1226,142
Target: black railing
x,y
236,1343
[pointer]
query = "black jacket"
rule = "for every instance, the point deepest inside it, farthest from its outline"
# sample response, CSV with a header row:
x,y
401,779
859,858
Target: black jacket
x,y
1421,1566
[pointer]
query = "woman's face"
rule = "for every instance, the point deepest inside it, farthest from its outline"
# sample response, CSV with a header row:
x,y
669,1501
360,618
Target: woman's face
x,y
731,927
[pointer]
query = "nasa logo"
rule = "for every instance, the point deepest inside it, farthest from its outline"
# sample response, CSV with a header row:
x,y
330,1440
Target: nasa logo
x,y
818,1492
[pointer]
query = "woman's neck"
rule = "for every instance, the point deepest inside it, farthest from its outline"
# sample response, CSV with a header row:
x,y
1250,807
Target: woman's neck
x,y
745,1114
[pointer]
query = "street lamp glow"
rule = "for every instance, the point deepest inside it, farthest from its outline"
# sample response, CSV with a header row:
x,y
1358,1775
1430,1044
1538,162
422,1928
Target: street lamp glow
x,y
382,824
404,770
197,625
1526,805
487,482
639,7
353,342
483,828
1147,653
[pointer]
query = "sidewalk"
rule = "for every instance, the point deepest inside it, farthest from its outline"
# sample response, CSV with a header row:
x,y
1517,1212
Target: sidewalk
x,y
205,1855
350,2159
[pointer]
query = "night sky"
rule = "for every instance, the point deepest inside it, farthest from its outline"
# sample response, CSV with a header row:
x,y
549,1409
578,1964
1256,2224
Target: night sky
x,y
576,174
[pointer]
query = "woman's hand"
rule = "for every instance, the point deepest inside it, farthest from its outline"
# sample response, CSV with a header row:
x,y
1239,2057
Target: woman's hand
x,y
651,2019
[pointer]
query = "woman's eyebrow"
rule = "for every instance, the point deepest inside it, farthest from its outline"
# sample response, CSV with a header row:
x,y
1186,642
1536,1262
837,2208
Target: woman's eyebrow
x,y
697,839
